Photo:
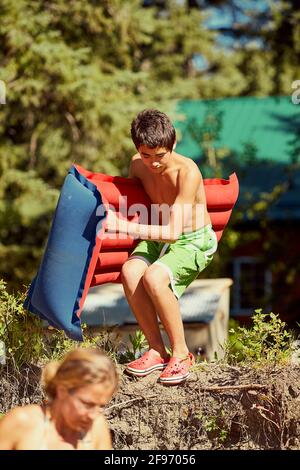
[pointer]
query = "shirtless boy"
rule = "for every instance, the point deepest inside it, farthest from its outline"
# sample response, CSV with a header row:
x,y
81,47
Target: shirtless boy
x,y
172,252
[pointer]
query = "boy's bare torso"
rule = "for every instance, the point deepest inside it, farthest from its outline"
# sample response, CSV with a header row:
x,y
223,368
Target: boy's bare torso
x,y
163,188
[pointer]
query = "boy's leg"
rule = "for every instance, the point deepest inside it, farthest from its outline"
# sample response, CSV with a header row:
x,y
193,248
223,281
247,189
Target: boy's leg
x,y
141,304
179,265
156,282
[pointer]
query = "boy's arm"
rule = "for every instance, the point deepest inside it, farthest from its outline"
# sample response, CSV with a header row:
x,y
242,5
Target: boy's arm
x,y
180,213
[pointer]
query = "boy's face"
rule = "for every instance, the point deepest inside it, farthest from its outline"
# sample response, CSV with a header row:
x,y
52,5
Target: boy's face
x,y
156,158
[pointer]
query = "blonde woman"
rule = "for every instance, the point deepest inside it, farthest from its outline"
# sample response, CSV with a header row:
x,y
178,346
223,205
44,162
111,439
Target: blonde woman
x,y
77,388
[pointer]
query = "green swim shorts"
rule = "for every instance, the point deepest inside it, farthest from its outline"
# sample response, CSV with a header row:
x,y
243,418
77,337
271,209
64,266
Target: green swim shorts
x,y
183,259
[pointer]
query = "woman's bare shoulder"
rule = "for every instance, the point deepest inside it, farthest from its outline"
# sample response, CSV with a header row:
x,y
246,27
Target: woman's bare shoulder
x,y
17,423
27,415
101,433
100,422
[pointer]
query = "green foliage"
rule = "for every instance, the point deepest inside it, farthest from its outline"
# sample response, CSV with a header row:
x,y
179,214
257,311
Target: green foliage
x,y
283,41
266,341
27,341
57,344
26,207
20,332
215,426
138,343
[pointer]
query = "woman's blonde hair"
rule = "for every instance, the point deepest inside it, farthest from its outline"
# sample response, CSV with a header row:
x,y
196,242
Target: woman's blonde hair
x,y
79,368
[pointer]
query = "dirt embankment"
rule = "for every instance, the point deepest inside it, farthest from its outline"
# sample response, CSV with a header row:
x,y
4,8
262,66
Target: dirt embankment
x,y
219,406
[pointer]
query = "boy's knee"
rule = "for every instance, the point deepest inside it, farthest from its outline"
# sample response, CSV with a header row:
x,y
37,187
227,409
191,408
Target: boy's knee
x,y
127,272
155,278
132,272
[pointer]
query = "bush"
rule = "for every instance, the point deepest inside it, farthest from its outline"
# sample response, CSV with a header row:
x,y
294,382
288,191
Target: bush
x,y
27,341
266,341
21,332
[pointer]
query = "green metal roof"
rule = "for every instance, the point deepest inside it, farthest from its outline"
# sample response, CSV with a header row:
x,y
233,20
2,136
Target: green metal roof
x,y
269,123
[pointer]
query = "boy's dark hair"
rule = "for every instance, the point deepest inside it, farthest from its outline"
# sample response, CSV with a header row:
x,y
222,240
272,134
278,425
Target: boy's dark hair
x,y
154,129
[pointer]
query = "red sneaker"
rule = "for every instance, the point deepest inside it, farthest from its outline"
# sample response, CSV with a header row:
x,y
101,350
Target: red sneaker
x,y
177,370
149,362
